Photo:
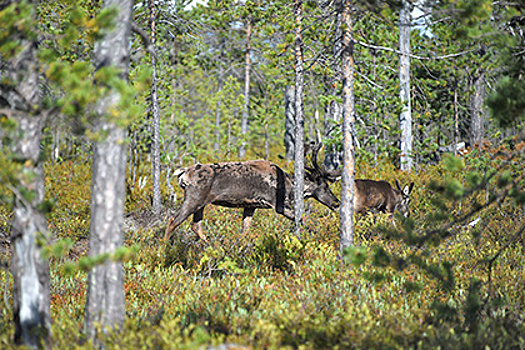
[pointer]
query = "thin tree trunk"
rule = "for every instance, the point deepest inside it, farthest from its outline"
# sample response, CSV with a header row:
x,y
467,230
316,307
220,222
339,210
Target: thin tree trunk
x,y
266,134
266,142
217,143
229,137
246,107
56,146
155,117
375,129
405,118
317,127
477,115
456,119
105,290
348,177
289,122
299,123
333,113
31,280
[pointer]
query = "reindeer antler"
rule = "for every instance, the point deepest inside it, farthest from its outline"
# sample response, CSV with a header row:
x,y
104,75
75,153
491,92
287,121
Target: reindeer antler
x,y
320,169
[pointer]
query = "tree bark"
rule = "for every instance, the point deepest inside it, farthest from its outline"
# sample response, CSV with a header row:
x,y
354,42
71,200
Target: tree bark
x,y
155,118
217,143
31,287
333,113
246,107
105,292
405,118
477,113
289,122
456,119
299,123
21,95
348,177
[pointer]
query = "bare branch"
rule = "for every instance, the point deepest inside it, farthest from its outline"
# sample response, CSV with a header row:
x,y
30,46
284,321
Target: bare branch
x,y
417,57
145,38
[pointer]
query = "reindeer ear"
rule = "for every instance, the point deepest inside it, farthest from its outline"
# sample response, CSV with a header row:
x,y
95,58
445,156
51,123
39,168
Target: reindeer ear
x,y
408,189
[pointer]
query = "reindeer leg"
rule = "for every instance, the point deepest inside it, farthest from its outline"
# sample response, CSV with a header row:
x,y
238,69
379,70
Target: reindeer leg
x,y
392,219
197,224
194,201
184,212
247,216
288,213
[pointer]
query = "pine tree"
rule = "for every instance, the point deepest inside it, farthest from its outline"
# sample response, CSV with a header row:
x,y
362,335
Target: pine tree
x,y
155,117
105,292
20,101
299,122
348,183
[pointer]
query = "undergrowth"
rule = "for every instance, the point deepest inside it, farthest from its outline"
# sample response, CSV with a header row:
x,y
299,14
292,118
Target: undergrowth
x,y
397,288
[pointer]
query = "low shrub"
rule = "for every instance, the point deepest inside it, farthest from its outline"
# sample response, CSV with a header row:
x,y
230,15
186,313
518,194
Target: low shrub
x,y
461,286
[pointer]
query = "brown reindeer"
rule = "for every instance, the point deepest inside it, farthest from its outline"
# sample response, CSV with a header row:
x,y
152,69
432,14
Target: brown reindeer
x,y
380,196
253,184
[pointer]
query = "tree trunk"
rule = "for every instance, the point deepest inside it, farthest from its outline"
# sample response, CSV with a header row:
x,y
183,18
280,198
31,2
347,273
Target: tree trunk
x,y
31,295
456,119
332,160
31,280
405,118
56,146
289,122
246,107
348,179
333,113
217,143
299,123
155,118
477,114
105,291
266,142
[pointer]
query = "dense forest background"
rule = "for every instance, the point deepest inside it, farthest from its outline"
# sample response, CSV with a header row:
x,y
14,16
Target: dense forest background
x,y
215,81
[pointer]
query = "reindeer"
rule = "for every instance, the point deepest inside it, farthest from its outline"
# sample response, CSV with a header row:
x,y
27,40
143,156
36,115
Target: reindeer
x,y
253,184
380,196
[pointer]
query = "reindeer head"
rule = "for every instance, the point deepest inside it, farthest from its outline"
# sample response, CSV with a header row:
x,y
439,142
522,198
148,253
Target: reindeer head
x,y
403,199
317,180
